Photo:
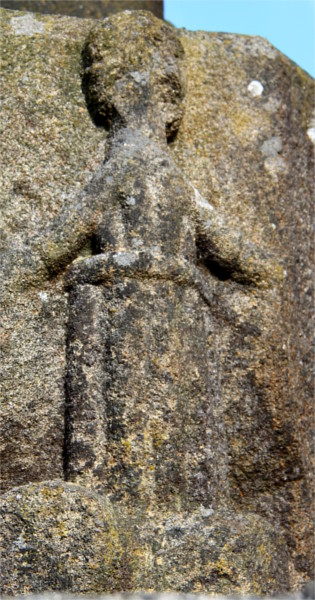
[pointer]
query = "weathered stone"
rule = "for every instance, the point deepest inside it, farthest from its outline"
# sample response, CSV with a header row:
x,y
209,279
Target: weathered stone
x,y
220,553
306,592
265,347
88,9
245,105
58,536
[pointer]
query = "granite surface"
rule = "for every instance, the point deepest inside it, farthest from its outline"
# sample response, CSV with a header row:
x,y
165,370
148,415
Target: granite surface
x,y
215,497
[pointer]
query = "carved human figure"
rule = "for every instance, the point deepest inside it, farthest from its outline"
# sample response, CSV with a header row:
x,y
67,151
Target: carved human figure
x,y
143,415
142,397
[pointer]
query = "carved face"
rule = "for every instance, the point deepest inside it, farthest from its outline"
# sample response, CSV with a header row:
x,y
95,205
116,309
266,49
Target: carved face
x,y
131,68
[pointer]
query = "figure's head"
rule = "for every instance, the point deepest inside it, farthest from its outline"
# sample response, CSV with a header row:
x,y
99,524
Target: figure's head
x,y
132,73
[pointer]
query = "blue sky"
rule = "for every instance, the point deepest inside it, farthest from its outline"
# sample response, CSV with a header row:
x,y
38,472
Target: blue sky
x,y
287,24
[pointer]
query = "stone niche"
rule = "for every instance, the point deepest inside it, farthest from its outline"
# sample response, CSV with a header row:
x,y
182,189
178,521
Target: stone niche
x,y
156,417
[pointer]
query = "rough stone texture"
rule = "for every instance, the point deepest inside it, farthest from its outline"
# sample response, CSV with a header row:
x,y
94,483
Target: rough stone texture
x,y
244,142
265,348
58,536
89,9
306,592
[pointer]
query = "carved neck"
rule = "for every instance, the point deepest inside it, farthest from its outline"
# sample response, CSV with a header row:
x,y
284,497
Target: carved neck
x,y
140,125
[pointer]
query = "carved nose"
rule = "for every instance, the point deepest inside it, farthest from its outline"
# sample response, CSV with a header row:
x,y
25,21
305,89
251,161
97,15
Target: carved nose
x,y
133,87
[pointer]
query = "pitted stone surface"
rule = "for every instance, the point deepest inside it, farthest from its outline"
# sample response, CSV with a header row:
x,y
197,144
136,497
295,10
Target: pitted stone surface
x,y
306,592
27,25
60,536
257,336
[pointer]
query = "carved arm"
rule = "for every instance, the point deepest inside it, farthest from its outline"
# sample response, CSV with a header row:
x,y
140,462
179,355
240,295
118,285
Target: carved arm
x,y
57,244
74,227
242,260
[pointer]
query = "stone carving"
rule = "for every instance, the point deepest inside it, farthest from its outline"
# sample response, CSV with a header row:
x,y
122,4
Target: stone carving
x,y
143,421
141,393
141,390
